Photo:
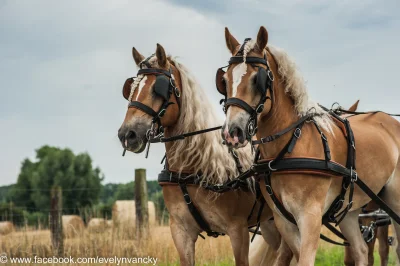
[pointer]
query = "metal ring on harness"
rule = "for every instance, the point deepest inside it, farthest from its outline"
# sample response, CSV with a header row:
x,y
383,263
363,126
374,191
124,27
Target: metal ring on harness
x,y
269,189
260,108
297,132
251,128
270,75
187,201
270,168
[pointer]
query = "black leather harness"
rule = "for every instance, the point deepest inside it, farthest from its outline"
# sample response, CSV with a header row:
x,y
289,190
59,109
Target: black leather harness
x,y
167,177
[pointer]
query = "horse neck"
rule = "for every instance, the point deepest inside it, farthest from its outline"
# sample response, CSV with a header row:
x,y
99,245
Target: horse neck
x,y
281,116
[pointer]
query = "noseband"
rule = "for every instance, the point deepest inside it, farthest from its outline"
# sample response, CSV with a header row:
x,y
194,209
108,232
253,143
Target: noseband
x,y
264,82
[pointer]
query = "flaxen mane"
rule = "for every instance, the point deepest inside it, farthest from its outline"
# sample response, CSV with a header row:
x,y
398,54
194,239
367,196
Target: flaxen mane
x,y
295,85
204,153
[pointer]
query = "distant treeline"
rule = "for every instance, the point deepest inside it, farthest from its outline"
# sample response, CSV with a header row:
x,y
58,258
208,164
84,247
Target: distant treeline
x,y
28,201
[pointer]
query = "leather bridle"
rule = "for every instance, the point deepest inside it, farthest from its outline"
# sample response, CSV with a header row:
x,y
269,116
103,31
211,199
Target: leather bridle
x,y
164,87
264,82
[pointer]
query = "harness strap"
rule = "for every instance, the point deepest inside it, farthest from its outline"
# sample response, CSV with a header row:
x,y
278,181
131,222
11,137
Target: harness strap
x,y
362,113
281,133
183,136
148,110
196,213
258,219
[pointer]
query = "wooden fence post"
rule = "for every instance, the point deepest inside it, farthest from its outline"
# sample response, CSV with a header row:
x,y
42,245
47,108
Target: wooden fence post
x,y
141,202
57,239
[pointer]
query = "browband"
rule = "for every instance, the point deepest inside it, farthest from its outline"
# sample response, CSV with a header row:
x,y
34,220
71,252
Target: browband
x,y
148,71
251,60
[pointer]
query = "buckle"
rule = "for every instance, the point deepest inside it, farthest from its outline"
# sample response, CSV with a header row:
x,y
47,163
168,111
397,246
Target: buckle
x,y
177,92
353,175
270,75
269,166
297,132
187,198
260,108
269,190
339,205
161,113
251,128
350,205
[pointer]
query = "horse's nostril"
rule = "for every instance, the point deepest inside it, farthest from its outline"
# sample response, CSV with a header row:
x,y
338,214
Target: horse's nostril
x,y
130,135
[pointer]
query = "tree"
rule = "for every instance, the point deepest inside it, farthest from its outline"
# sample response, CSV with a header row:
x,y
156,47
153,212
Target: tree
x,y
81,183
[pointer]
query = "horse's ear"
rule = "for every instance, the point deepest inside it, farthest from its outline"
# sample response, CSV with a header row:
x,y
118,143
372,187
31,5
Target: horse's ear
x,y
231,42
161,56
354,107
262,38
137,56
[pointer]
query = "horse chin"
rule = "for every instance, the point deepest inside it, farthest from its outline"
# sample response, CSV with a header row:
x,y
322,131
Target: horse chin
x,y
139,148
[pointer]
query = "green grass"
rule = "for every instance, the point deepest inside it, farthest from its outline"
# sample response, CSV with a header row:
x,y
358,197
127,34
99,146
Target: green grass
x,y
333,256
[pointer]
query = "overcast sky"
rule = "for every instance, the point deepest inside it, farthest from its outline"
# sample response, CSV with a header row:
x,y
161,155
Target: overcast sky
x,y
63,63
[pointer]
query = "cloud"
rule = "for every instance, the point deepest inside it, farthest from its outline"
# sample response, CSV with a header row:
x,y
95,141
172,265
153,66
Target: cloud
x,y
62,64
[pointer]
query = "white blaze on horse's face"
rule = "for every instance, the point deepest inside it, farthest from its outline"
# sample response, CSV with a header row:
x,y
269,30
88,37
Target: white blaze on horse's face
x,y
237,73
142,83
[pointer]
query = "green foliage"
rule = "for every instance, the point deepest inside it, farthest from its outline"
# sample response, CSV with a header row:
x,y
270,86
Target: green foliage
x,y
125,191
80,182
5,193
9,212
37,219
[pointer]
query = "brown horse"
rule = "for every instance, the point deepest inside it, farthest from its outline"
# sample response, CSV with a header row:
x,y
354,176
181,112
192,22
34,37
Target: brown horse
x,y
191,111
307,196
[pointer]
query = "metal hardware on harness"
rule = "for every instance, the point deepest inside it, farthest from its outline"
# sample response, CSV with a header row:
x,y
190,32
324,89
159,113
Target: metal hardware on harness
x,y
251,128
149,135
368,232
270,75
269,189
353,175
297,132
260,108
177,92
269,166
187,198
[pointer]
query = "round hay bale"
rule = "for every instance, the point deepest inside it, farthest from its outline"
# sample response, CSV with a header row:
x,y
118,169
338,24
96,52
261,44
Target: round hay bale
x,y
124,213
109,223
97,225
6,228
72,225
152,213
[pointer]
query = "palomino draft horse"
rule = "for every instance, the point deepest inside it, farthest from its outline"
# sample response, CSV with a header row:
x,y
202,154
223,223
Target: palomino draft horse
x,y
266,95
165,95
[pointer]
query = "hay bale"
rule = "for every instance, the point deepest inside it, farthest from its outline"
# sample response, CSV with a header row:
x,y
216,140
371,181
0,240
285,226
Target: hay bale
x,y
72,225
124,213
6,228
97,225
109,223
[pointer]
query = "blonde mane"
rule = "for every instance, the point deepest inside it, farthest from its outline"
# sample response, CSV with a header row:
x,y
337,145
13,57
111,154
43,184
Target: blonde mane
x,y
295,85
203,153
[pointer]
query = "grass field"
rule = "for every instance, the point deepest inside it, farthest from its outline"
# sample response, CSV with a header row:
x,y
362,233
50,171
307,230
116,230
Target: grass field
x,y
159,245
